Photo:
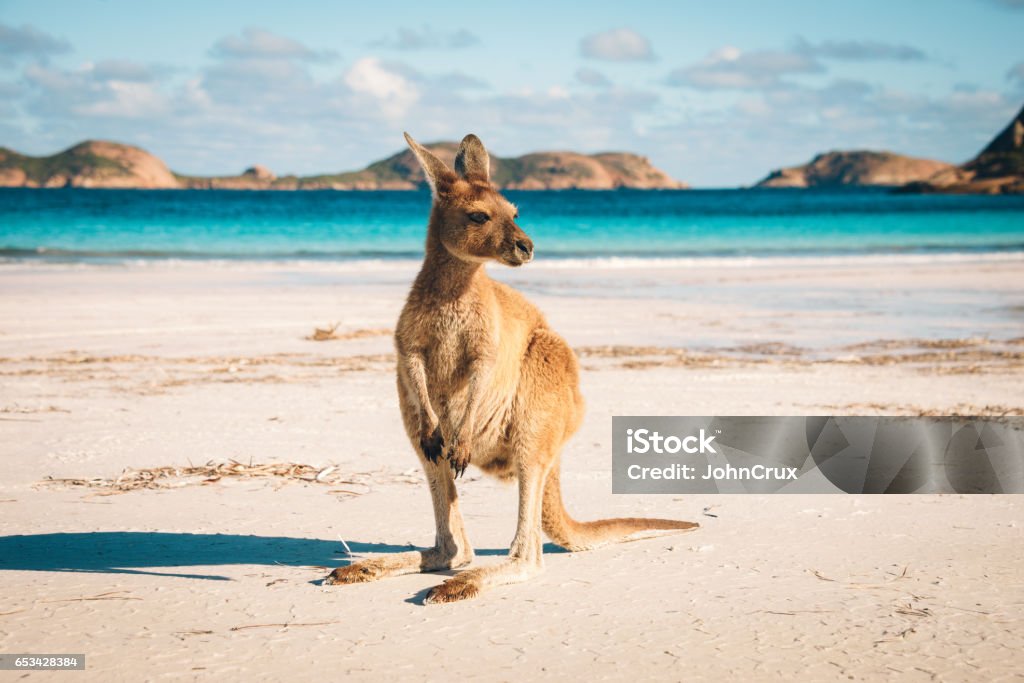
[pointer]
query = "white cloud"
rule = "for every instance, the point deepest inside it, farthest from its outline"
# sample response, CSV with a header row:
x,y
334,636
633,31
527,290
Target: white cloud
x,y
126,70
28,42
592,77
127,99
257,43
94,91
860,50
252,81
617,45
393,91
729,68
427,38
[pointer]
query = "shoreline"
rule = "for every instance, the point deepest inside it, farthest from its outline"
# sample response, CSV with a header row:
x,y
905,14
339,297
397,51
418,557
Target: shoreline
x,y
42,257
813,311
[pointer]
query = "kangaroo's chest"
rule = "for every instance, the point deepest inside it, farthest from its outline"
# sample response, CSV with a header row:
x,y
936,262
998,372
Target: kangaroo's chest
x,y
453,338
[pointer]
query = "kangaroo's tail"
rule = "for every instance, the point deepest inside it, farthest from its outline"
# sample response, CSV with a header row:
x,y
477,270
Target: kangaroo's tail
x,y
573,535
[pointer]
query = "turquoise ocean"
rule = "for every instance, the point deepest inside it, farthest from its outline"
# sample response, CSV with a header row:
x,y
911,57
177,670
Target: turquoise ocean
x,y
104,226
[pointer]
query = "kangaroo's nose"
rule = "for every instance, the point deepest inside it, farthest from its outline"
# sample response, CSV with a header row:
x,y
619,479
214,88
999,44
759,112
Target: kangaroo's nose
x,y
525,247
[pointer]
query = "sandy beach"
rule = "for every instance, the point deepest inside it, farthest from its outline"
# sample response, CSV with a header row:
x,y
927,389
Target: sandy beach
x,y
218,575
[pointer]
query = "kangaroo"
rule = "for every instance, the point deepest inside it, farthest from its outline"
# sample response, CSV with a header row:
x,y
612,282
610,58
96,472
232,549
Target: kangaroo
x,y
483,380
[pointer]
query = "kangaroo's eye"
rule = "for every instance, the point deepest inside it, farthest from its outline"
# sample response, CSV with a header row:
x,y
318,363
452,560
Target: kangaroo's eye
x,y
479,217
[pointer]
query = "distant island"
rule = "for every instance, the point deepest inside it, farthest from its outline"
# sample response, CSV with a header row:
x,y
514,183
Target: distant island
x,y
855,167
998,169
102,164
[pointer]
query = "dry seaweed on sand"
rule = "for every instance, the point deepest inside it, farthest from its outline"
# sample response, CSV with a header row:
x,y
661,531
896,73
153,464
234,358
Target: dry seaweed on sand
x,y
330,333
212,472
904,574
324,333
283,625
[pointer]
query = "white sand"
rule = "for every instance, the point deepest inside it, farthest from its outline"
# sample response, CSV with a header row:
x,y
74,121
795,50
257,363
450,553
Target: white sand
x,y
150,366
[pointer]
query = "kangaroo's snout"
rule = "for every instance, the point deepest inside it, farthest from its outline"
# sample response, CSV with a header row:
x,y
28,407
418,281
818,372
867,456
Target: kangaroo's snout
x,y
520,251
524,248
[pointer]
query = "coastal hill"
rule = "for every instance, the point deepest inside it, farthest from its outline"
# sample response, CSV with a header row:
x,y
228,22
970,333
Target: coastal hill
x,y
998,169
114,165
87,164
855,168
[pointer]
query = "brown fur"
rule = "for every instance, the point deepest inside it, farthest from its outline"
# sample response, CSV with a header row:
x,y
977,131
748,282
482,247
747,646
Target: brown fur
x,y
483,380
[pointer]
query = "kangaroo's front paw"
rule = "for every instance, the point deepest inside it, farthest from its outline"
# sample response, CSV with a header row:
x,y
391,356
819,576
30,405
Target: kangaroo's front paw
x,y
359,572
457,455
454,589
432,444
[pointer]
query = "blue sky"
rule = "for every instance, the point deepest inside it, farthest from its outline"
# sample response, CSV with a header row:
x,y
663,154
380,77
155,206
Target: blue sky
x,y
717,94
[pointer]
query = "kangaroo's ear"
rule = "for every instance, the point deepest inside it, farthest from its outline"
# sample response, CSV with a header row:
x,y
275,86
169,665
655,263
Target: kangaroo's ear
x,y
472,161
439,176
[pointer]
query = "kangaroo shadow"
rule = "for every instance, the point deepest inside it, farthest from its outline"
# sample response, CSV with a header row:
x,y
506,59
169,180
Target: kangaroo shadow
x,y
133,552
